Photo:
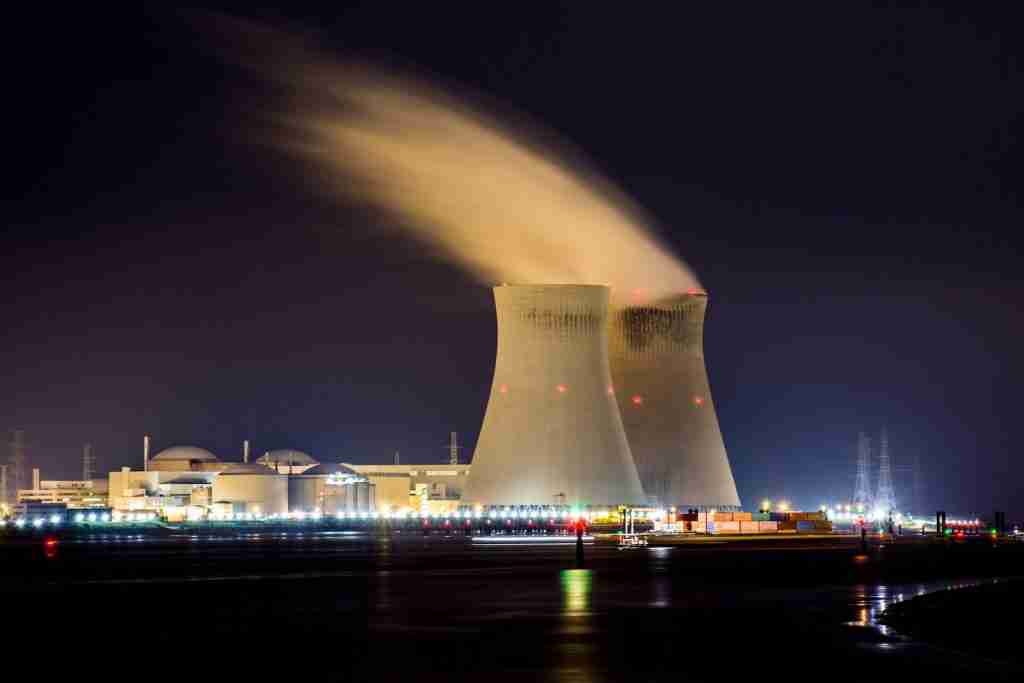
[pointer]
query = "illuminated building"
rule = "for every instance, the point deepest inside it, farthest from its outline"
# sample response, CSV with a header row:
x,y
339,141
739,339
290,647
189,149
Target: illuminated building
x,y
287,461
430,489
330,489
251,488
552,434
656,352
73,494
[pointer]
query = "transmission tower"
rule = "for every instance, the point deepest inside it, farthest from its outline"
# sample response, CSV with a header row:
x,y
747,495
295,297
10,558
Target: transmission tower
x,y
88,462
453,449
862,489
917,487
885,497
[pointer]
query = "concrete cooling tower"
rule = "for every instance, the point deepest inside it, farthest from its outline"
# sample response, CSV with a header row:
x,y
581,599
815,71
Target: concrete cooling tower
x,y
552,434
657,360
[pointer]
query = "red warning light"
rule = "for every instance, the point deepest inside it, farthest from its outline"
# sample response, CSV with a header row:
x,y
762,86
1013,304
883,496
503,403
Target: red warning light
x,y
637,400
611,390
698,401
50,543
503,388
562,388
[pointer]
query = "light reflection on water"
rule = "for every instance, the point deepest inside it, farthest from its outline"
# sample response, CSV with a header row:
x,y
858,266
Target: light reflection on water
x,y
576,589
870,602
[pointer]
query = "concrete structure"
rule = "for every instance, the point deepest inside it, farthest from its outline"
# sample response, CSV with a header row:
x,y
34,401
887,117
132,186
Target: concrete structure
x,y
552,433
252,488
330,489
174,478
287,461
184,459
661,385
433,489
72,493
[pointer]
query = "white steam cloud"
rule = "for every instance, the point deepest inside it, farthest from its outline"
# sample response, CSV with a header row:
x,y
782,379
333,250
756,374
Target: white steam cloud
x,y
492,198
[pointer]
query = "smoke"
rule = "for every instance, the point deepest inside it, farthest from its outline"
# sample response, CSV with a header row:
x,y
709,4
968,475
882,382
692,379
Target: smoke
x,y
489,196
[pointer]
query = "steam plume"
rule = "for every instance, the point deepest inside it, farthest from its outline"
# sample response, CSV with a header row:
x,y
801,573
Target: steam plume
x,y
492,198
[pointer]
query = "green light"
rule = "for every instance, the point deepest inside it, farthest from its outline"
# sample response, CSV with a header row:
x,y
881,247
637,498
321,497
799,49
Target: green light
x,y
949,532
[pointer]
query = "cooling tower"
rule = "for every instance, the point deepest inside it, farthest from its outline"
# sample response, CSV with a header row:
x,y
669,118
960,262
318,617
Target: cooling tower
x,y
552,433
657,360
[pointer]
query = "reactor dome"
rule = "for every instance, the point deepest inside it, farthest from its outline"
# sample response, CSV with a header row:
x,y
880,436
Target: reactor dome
x,y
287,461
246,468
327,469
184,453
286,456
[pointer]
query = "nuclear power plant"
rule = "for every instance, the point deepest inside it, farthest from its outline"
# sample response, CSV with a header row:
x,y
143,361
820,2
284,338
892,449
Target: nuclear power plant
x,y
591,407
552,434
661,384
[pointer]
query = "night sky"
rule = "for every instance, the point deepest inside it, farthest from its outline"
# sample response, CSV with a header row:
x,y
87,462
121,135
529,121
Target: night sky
x,y
846,184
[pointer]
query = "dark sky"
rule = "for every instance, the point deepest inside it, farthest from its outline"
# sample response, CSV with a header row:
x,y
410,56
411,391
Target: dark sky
x,y
845,182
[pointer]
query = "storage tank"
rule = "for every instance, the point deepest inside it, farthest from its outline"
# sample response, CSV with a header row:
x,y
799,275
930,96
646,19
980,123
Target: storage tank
x,y
552,434
330,489
262,490
661,384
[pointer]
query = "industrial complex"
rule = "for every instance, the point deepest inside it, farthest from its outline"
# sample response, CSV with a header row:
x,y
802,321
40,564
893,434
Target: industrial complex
x,y
591,408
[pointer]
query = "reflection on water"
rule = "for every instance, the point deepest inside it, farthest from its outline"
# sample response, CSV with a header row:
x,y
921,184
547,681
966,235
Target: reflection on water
x,y
576,588
870,602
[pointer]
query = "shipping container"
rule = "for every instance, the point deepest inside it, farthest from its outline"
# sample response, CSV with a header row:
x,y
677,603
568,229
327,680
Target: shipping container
x,y
742,517
749,527
723,517
766,527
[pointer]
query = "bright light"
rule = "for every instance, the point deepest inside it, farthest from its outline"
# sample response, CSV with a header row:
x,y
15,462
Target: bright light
x,y
91,517
562,388
19,522
54,519
782,505
79,518
37,522
106,516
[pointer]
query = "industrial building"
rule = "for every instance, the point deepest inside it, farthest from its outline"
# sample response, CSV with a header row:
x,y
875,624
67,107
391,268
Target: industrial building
x,y
187,482
656,352
429,489
552,433
287,461
330,489
90,493
251,488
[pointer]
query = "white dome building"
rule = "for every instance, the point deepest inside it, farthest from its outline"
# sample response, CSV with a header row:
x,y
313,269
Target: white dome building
x,y
287,461
185,458
252,488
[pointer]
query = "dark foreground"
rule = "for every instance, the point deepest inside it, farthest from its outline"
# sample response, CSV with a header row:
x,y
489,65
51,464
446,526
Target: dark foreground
x,y
328,607
974,619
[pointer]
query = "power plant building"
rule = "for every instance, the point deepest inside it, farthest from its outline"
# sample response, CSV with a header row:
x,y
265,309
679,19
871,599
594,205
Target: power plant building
x,y
330,489
287,461
552,433
252,488
661,385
